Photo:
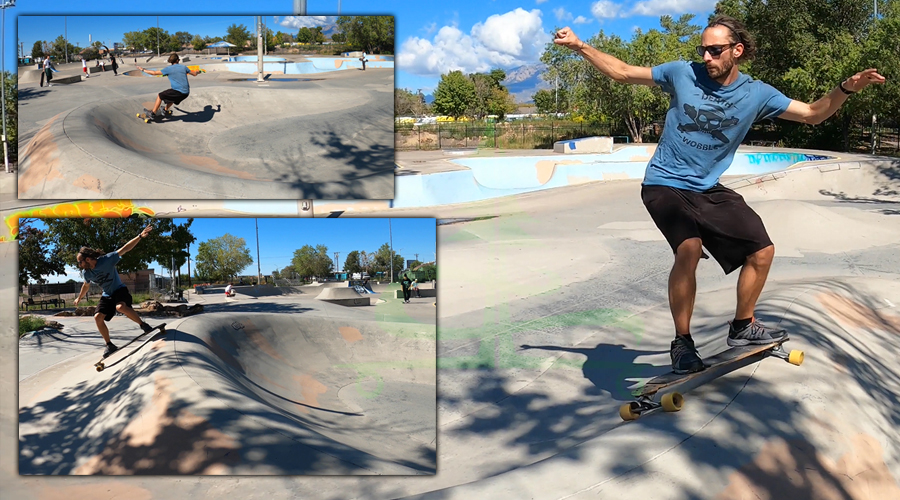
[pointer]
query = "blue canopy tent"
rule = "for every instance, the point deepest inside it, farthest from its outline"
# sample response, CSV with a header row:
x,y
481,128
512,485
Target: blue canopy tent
x,y
217,45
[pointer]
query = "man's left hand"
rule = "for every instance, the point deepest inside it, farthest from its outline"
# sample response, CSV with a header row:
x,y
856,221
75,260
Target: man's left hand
x,y
863,79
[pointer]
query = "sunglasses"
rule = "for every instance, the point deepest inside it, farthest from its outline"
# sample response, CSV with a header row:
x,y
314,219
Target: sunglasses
x,y
714,50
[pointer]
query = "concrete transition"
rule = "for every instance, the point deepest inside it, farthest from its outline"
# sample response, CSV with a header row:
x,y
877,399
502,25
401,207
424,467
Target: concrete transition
x,y
584,145
248,393
344,296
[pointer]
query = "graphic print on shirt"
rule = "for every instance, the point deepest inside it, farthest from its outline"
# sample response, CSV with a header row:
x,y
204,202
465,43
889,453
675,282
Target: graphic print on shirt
x,y
709,119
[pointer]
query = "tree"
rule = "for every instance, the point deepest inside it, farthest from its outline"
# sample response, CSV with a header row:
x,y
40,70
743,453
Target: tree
x,y
12,114
454,94
374,34
38,256
338,37
352,263
167,240
408,104
155,38
222,258
184,38
305,35
309,261
318,36
37,50
198,43
382,261
238,35
546,100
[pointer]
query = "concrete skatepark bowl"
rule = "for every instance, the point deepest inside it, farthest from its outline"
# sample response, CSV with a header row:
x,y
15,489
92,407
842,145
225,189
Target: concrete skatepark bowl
x,y
249,393
224,141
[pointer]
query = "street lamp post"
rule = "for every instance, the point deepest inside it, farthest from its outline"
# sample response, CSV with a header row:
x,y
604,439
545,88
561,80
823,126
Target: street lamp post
x,y
4,6
300,7
391,240
258,268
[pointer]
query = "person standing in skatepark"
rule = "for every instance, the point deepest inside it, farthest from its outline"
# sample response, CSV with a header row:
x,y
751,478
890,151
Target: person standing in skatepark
x,y
712,108
177,74
101,269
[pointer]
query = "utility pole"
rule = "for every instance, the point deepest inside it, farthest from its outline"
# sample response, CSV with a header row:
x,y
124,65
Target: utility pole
x,y
258,271
259,49
336,254
391,241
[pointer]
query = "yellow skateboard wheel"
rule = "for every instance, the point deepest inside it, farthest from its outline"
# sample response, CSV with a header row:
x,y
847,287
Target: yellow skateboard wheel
x,y
795,358
627,413
672,401
100,367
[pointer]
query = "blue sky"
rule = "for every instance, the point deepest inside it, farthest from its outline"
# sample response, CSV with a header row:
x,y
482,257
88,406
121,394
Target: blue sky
x,y
280,237
432,37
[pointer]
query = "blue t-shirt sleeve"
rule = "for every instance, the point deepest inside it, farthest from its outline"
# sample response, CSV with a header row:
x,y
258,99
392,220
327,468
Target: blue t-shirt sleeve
x,y
771,102
113,257
664,74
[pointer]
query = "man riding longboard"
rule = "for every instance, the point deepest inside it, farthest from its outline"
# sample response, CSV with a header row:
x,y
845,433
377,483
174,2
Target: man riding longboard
x,y
180,90
97,267
712,108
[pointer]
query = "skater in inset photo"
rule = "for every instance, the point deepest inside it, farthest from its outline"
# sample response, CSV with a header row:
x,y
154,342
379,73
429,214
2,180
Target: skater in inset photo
x,y
97,267
180,90
405,282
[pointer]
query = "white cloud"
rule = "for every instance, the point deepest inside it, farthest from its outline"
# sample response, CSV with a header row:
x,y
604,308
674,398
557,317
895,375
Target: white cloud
x,y
540,1
658,8
503,40
561,14
431,28
582,20
298,22
604,9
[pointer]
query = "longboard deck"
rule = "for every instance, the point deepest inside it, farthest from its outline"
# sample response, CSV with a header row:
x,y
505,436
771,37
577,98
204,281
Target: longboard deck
x,y
101,365
147,116
726,357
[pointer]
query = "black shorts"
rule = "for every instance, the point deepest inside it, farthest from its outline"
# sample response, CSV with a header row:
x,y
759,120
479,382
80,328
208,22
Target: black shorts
x,y
729,229
172,96
107,305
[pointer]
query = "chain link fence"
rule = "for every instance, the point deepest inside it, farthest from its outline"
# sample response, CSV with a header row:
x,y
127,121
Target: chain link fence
x,y
507,135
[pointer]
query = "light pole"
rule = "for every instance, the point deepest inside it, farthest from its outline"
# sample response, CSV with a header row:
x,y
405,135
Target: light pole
x,y
300,7
66,37
4,6
258,269
391,241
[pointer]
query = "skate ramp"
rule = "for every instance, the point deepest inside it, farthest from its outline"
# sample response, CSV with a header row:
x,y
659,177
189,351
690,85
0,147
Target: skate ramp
x,y
239,394
221,142
344,297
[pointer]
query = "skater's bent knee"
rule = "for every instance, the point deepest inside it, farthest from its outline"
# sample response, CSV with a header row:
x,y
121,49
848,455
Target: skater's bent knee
x,y
689,251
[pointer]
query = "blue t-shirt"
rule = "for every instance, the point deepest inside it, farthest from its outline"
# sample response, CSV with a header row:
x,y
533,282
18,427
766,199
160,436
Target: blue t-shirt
x,y
705,124
177,74
104,274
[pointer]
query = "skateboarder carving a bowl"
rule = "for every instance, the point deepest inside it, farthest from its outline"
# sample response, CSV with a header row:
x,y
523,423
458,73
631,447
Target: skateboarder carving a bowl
x,y
712,107
177,74
101,269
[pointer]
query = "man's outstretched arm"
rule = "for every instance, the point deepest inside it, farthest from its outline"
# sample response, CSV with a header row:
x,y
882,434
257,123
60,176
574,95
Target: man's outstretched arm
x,y
610,66
822,109
134,241
150,71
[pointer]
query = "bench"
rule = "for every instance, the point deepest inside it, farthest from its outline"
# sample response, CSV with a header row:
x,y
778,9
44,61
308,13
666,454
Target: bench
x,y
42,303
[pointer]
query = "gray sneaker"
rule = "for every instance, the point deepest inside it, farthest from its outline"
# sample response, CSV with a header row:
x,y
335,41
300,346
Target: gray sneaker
x,y
685,358
756,333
